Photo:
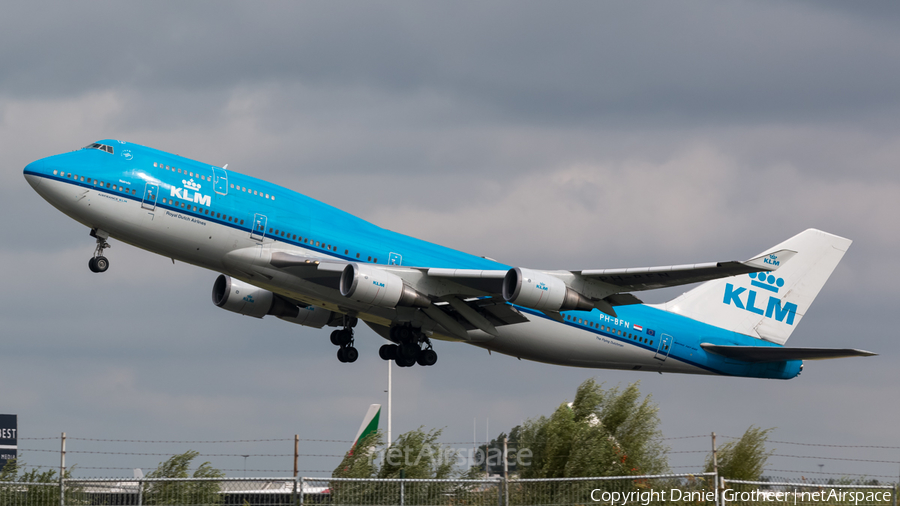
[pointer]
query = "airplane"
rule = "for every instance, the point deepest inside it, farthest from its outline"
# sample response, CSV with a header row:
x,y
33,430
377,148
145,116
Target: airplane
x,y
285,254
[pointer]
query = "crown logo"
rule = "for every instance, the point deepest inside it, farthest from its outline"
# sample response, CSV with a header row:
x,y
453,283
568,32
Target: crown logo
x,y
191,185
766,281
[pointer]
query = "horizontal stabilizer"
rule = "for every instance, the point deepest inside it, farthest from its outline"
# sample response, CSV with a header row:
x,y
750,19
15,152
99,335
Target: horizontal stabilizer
x,y
778,353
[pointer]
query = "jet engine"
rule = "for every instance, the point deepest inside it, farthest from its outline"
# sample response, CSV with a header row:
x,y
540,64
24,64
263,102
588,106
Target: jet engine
x,y
246,299
541,291
378,287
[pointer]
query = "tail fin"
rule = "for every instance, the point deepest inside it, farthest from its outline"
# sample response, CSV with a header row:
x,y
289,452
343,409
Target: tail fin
x,y
767,305
369,424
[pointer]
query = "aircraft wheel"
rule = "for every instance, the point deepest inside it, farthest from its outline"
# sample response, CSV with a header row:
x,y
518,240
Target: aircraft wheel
x,y
102,264
405,361
344,337
409,351
335,338
388,351
92,264
404,333
427,357
350,354
341,355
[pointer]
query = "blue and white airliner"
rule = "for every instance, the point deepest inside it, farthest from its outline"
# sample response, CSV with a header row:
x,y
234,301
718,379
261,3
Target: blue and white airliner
x,y
284,254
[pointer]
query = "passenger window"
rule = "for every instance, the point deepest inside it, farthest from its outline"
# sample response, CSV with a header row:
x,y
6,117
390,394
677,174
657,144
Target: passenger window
x,y
346,251
357,255
369,259
133,192
242,222
107,185
376,260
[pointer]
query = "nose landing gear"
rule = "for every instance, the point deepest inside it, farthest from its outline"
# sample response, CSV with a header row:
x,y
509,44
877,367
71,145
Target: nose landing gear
x,y
409,352
99,263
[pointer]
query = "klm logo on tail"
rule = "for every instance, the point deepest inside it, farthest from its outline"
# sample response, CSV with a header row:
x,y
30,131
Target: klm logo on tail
x,y
773,309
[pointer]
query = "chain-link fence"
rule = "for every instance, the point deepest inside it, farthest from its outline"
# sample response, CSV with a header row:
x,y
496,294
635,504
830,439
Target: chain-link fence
x,y
656,490
407,492
841,492
28,494
673,489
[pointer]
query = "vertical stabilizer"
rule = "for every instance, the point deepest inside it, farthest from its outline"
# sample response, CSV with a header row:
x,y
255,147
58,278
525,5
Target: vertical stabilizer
x,y
767,305
369,423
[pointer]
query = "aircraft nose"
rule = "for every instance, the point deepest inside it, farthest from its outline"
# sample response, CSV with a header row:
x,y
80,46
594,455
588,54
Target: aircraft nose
x,y
34,171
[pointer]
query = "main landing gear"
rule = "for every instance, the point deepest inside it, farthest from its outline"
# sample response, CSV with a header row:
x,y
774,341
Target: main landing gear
x,y
409,352
99,263
344,338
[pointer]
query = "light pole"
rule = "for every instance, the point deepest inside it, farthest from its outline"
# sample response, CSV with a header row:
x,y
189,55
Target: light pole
x,y
389,362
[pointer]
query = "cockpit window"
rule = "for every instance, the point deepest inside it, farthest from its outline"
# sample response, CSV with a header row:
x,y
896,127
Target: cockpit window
x,y
101,147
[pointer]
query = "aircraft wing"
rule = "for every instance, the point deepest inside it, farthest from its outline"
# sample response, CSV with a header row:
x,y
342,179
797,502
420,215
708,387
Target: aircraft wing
x,y
464,299
649,278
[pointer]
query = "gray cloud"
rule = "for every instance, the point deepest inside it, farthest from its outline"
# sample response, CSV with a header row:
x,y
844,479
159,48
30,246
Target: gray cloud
x,y
563,136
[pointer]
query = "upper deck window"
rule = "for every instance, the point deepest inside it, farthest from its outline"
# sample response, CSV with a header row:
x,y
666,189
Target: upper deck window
x,y
101,147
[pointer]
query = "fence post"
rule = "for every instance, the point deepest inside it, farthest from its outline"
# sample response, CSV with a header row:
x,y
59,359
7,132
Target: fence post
x,y
301,491
402,483
296,454
715,464
499,490
505,472
62,470
140,492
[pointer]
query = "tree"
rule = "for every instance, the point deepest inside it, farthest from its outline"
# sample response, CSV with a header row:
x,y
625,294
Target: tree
x,y
602,433
417,453
744,459
14,487
183,492
414,455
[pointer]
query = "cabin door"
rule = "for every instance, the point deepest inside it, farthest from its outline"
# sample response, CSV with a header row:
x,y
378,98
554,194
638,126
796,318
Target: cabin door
x,y
665,346
259,227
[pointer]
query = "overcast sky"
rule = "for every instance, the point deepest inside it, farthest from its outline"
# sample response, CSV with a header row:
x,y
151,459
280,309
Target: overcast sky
x,y
547,135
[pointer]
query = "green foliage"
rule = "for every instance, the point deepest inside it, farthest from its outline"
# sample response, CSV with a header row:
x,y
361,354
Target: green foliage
x,y
183,492
358,462
40,487
744,459
603,433
416,454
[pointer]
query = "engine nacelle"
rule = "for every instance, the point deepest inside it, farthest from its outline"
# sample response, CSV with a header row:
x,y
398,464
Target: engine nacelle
x,y
246,299
370,285
537,290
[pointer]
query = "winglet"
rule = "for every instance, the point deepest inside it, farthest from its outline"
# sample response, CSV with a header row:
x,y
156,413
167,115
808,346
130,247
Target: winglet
x,y
771,261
